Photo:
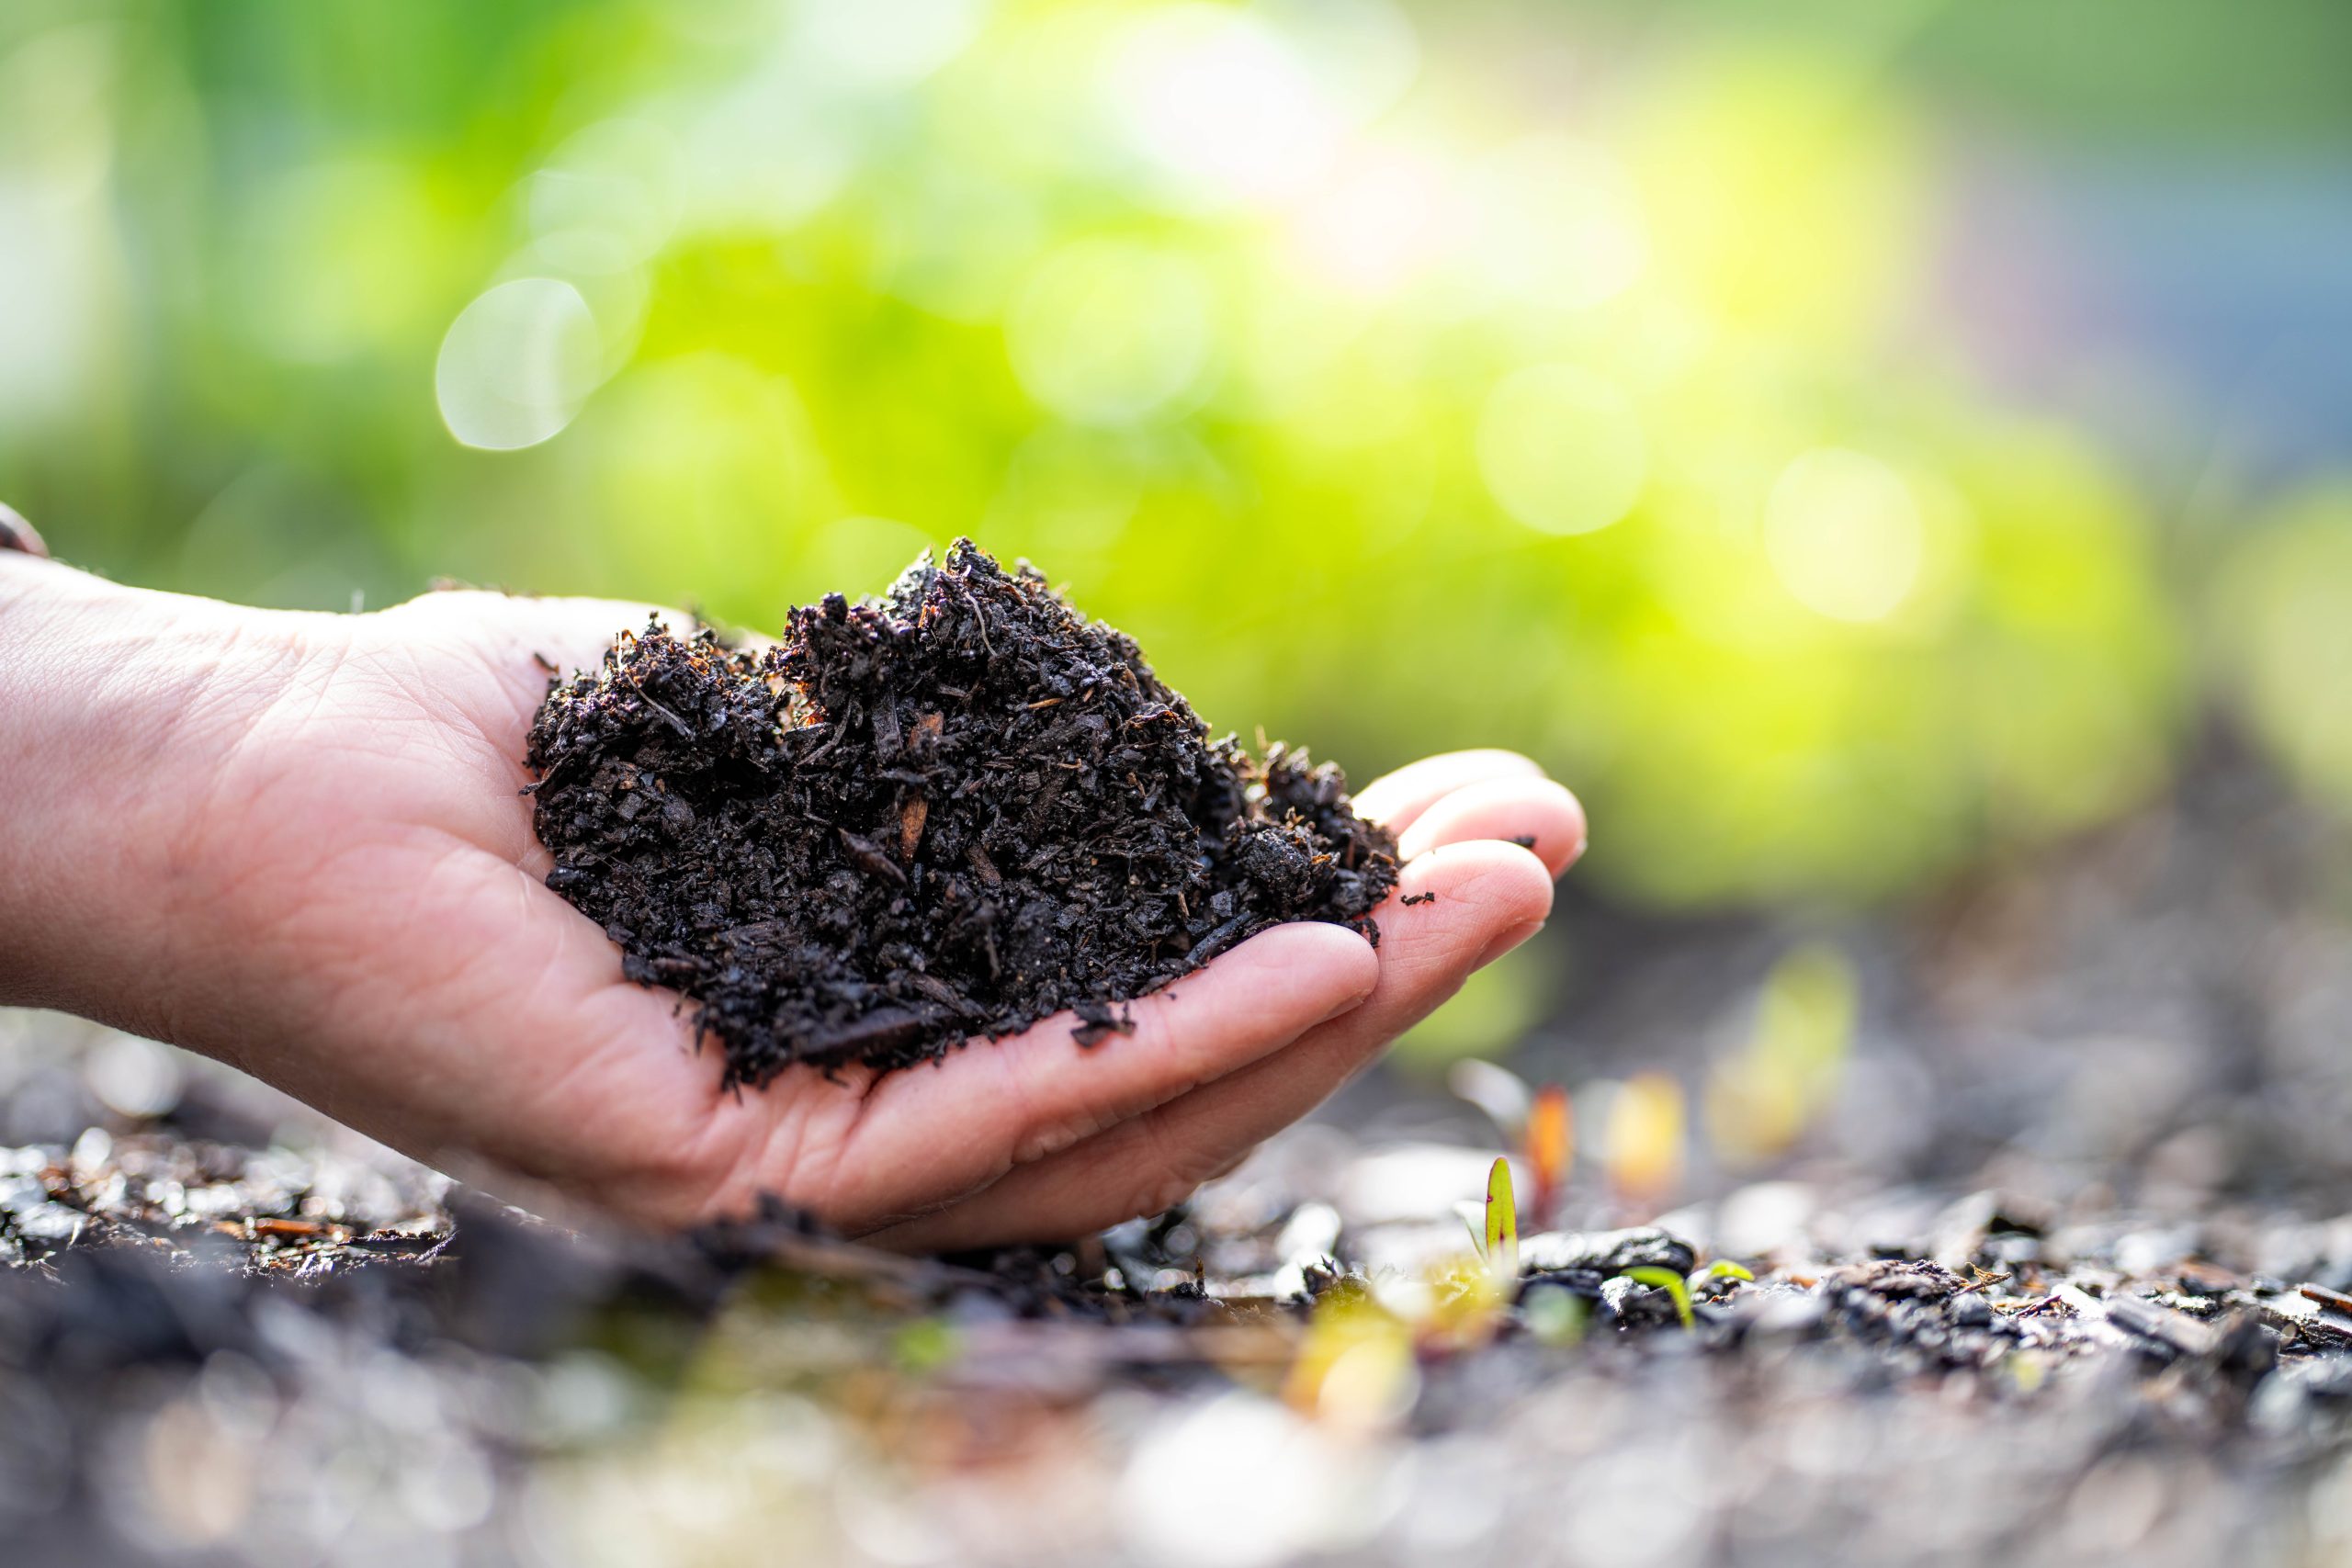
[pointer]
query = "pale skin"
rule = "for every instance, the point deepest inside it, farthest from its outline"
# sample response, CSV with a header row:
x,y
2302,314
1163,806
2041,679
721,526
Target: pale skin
x,y
295,843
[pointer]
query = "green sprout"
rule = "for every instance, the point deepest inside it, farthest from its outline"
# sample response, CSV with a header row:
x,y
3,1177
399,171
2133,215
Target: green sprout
x,y
1502,1224
1669,1281
1724,1269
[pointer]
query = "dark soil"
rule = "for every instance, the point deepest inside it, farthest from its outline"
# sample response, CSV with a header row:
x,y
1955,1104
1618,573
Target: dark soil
x,y
2062,1345
942,815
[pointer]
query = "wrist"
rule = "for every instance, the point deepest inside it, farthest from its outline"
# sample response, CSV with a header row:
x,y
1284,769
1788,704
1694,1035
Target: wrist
x,y
119,708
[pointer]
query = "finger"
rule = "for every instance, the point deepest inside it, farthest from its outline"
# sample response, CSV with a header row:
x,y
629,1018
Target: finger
x,y
16,534
1490,897
929,1134
1503,808
1397,798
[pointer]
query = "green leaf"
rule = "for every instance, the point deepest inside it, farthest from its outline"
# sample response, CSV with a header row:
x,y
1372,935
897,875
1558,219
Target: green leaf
x,y
1502,1223
1669,1281
1724,1269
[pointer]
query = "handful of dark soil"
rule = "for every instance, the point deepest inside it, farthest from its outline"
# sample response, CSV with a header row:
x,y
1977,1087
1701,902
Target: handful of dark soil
x,y
945,814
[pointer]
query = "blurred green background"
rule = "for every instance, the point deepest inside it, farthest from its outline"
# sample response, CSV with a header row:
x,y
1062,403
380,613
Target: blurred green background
x,y
1845,440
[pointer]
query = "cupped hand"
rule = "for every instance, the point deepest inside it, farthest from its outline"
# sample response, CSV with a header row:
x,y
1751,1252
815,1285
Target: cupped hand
x,y
365,924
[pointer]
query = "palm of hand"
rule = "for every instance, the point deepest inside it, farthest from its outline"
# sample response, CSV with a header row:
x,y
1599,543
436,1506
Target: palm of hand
x,y
383,892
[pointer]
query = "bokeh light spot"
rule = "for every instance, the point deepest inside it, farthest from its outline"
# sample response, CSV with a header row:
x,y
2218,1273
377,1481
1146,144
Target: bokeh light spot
x,y
1559,225
888,43
2283,622
1109,332
1221,104
1363,54
1382,219
1844,535
1561,449
516,365
609,198
762,155
133,1077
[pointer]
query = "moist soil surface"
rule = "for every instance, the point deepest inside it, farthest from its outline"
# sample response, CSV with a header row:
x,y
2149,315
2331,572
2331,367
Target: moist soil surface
x,y
202,1344
939,814
2029,1330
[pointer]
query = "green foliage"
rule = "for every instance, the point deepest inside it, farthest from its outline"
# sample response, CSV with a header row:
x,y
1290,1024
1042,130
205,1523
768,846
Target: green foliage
x,y
1386,408
2282,617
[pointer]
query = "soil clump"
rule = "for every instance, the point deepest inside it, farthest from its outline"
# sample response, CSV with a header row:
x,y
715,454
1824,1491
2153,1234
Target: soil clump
x,y
937,816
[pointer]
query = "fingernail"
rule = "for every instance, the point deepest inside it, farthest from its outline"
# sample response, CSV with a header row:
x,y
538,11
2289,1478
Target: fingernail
x,y
1506,940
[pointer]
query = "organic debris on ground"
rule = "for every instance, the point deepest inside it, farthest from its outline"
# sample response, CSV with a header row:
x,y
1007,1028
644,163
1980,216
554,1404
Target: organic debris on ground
x,y
257,1212
2045,1296
943,815
2054,1376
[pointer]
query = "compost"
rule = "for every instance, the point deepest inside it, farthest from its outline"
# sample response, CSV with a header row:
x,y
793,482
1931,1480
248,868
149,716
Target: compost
x,y
941,814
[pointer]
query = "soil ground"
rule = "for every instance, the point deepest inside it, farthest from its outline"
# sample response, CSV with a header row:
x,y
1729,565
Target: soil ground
x,y
2054,1283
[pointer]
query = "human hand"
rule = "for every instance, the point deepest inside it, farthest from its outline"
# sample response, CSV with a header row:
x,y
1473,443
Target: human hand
x,y
318,866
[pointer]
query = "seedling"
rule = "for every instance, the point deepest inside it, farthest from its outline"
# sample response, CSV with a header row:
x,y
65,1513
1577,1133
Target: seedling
x,y
1724,1268
1501,1248
1465,1307
1539,1122
1672,1283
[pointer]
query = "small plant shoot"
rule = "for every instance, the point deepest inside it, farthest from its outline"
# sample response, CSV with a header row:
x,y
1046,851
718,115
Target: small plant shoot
x,y
1502,1224
1672,1283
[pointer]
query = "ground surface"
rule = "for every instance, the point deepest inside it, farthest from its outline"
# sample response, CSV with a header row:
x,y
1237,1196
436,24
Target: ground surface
x,y
2049,1282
